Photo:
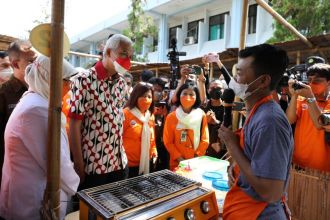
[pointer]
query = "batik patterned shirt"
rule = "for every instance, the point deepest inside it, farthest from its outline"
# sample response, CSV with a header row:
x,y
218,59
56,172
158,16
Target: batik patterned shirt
x,y
98,100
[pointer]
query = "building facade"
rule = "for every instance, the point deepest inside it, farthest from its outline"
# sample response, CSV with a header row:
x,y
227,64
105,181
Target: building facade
x,y
200,27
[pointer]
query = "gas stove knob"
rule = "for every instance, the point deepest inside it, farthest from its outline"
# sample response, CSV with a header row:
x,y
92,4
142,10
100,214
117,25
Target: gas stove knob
x,y
205,207
170,218
189,214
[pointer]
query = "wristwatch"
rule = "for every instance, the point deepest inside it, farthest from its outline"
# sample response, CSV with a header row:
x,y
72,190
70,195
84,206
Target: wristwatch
x,y
311,100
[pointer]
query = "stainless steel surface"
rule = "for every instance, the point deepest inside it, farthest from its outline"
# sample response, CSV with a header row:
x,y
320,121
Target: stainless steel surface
x,y
114,198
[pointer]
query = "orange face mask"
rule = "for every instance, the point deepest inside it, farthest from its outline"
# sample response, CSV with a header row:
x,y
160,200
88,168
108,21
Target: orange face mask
x,y
187,101
144,103
318,89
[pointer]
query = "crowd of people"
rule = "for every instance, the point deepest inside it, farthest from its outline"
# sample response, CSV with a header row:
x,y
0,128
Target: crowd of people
x,y
114,128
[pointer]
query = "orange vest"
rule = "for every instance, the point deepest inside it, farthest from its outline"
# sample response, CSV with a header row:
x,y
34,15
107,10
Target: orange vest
x,y
132,131
178,148
238,205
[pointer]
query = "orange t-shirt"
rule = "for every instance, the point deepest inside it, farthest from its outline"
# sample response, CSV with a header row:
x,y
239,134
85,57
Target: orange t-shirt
x,y
66,109
132,131
178,148
310,148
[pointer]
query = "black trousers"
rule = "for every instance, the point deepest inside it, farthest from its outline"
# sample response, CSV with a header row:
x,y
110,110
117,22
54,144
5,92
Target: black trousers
x,y
94,180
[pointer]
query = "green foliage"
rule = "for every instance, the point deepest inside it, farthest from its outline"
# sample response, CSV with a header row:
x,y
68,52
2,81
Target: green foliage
x,y
309,17
140,26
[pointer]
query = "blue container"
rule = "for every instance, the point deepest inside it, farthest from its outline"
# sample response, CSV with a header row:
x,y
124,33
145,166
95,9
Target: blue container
x,y
212,175
220,185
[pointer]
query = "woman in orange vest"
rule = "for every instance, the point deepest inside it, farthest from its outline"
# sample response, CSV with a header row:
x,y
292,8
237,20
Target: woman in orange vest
x,y
138,130
185,132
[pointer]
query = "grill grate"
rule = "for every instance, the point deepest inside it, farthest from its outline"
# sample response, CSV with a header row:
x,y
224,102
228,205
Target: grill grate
x,y
126,194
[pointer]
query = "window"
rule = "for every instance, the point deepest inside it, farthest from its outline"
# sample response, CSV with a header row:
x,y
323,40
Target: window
x,y
252,19
193,29
172,34
216,26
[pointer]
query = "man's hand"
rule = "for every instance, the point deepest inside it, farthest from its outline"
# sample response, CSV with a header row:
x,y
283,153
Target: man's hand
x,y
211,118
79,168
184,71
231,174
306,91
228,138
216,147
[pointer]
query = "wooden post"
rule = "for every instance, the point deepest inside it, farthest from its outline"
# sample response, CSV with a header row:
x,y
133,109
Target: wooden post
x,y
52,195
236,116
298,57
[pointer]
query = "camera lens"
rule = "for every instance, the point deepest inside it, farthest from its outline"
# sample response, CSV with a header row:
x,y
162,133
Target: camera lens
x,y
324,119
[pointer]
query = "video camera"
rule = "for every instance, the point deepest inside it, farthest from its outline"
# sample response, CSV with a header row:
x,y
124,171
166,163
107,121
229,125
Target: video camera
x,y
299,73
173,56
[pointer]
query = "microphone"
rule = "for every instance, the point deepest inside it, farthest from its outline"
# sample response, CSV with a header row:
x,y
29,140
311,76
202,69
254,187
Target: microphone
x,y
228,97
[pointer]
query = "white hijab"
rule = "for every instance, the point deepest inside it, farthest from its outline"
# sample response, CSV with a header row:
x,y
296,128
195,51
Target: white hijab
x,y
37,76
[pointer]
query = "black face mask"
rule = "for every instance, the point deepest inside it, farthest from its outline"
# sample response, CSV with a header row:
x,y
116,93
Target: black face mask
x,y
215,93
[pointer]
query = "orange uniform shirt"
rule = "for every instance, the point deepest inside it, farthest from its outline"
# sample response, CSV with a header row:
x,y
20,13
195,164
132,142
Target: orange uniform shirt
x,y
178,148
132,131
66,109
310,148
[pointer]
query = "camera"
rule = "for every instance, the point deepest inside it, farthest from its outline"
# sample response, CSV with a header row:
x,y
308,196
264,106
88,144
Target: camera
x,y
173,56
324,119
297,85
299,73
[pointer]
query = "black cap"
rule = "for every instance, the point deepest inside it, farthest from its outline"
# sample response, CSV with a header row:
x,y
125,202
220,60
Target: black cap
x,y
310,61
146,75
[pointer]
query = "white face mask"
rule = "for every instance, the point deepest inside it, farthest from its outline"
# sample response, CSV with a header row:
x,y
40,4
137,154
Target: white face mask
x,y
240,89
6,73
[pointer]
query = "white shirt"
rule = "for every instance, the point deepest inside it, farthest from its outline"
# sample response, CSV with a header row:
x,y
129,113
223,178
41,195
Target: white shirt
x,y
24,173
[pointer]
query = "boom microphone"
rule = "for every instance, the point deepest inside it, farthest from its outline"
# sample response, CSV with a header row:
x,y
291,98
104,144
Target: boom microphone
x,y
228,97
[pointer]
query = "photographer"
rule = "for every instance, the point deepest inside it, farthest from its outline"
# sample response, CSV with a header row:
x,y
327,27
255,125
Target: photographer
x,y
194,74
161,109
305,107
214,113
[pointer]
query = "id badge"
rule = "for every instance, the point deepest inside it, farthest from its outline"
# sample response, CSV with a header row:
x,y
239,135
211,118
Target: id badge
x,y
183,136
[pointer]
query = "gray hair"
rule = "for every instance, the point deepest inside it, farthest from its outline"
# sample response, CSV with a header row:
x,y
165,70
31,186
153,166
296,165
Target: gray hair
x,y
114,41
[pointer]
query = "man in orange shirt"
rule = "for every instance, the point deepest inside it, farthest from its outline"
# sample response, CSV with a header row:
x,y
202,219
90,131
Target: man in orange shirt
x,y
305,107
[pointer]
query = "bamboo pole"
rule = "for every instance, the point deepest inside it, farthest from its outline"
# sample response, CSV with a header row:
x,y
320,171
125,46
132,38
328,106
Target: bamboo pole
x,y
52,194
245,8
298,57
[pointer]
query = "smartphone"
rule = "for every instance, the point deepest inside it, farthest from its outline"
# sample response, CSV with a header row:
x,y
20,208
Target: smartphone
x,y
212,58
238,106
196,70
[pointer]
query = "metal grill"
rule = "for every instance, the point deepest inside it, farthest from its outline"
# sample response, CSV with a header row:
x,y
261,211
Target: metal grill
x,y
120,196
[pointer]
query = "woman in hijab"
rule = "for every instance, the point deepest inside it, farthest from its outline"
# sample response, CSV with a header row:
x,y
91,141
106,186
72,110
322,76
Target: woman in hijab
x,y
24,175
186,133
139,126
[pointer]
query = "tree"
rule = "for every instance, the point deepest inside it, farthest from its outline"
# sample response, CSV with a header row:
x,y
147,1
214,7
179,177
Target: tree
x,y
310,18
140,26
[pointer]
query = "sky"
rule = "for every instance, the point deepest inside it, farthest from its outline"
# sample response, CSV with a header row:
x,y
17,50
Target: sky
x,y
17,16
